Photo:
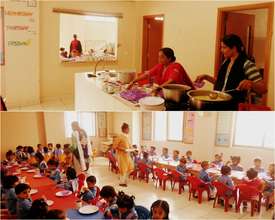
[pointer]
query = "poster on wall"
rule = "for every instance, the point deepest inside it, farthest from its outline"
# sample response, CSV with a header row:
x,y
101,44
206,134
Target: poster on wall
x,y
2,46
189,124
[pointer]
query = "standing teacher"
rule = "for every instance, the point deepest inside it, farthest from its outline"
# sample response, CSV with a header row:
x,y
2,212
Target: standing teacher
x,y
125,163
237,73
82,148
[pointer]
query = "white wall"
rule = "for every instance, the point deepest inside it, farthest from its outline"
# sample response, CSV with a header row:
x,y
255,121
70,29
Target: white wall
x,y
20,74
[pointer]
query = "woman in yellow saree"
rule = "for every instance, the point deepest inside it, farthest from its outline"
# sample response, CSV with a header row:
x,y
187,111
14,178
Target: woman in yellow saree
x,y
125,164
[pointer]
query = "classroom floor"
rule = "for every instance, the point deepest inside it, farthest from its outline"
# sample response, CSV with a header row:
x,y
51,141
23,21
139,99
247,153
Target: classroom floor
x,y
180,206
55,104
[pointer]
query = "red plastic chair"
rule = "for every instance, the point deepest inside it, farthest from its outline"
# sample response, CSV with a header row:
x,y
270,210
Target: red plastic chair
x,y
176,178
81,180
161,177
134,174
112,163
222,192
143,171
249,194
197,185
253,107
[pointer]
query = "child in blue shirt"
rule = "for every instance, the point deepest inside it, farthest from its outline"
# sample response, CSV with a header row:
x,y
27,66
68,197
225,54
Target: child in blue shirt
x,y
205,177
24,201
55,173
9,184
91,191
181,168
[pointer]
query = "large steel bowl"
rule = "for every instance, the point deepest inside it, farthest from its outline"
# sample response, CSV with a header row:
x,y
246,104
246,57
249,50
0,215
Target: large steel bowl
x,y
175,92
205,100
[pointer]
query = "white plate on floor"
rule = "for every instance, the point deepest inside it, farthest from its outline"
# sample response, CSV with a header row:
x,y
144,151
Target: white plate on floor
x,y
15,173
8,166
31,171
37,176
49,202
24,168
88,209
63,193
33,191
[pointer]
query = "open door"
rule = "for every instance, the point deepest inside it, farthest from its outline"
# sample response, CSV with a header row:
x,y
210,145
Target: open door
x,y
243,25
152,40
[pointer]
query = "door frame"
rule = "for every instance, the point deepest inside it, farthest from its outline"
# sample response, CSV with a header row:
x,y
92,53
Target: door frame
x,y
144,45
221,27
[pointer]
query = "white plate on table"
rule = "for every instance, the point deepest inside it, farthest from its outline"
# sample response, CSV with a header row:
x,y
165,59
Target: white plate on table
x,y
24,168
33,191
37,176
88,209
63,193
31,171
49,202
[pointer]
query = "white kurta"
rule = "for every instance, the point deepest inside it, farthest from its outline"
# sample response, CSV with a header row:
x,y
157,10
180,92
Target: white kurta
x,y
77,143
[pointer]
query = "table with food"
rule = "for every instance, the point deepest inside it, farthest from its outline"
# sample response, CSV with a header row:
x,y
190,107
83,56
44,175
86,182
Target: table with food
x,y
55,196
107,90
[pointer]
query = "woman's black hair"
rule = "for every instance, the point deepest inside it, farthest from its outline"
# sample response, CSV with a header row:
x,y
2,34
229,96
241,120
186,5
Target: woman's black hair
x,y
107,191
169,53
55,214
161,204
9,181
70,173
39,209
125,201
233,40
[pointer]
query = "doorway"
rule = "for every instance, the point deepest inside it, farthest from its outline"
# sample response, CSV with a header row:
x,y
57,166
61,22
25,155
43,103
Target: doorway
x,y
254,24
152,40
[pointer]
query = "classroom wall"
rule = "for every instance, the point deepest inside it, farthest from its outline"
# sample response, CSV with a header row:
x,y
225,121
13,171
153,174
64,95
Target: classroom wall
x,y
57,80
190,29
20,128
204,147
20,73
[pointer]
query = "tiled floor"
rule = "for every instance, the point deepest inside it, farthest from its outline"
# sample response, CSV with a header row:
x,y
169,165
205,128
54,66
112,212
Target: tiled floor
x,y
58,104
180,207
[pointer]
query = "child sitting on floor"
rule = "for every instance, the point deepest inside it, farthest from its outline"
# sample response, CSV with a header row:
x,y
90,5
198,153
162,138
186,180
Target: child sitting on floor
x,y
9,184
235,163
42,165
55,173
159,210
189,156
181,168
91,191
165,154
258,165
47,155
205,177
10,158
20,155
24,201
126,206
40,149
68,157
270,186
176,157
32,160
218,161
58,152
109,194
72,182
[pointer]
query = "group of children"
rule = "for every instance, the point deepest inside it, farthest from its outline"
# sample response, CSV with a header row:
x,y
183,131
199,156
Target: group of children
x,y
257,177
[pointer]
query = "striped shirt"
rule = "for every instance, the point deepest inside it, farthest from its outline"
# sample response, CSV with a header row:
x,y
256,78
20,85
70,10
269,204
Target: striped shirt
x,y
252,72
